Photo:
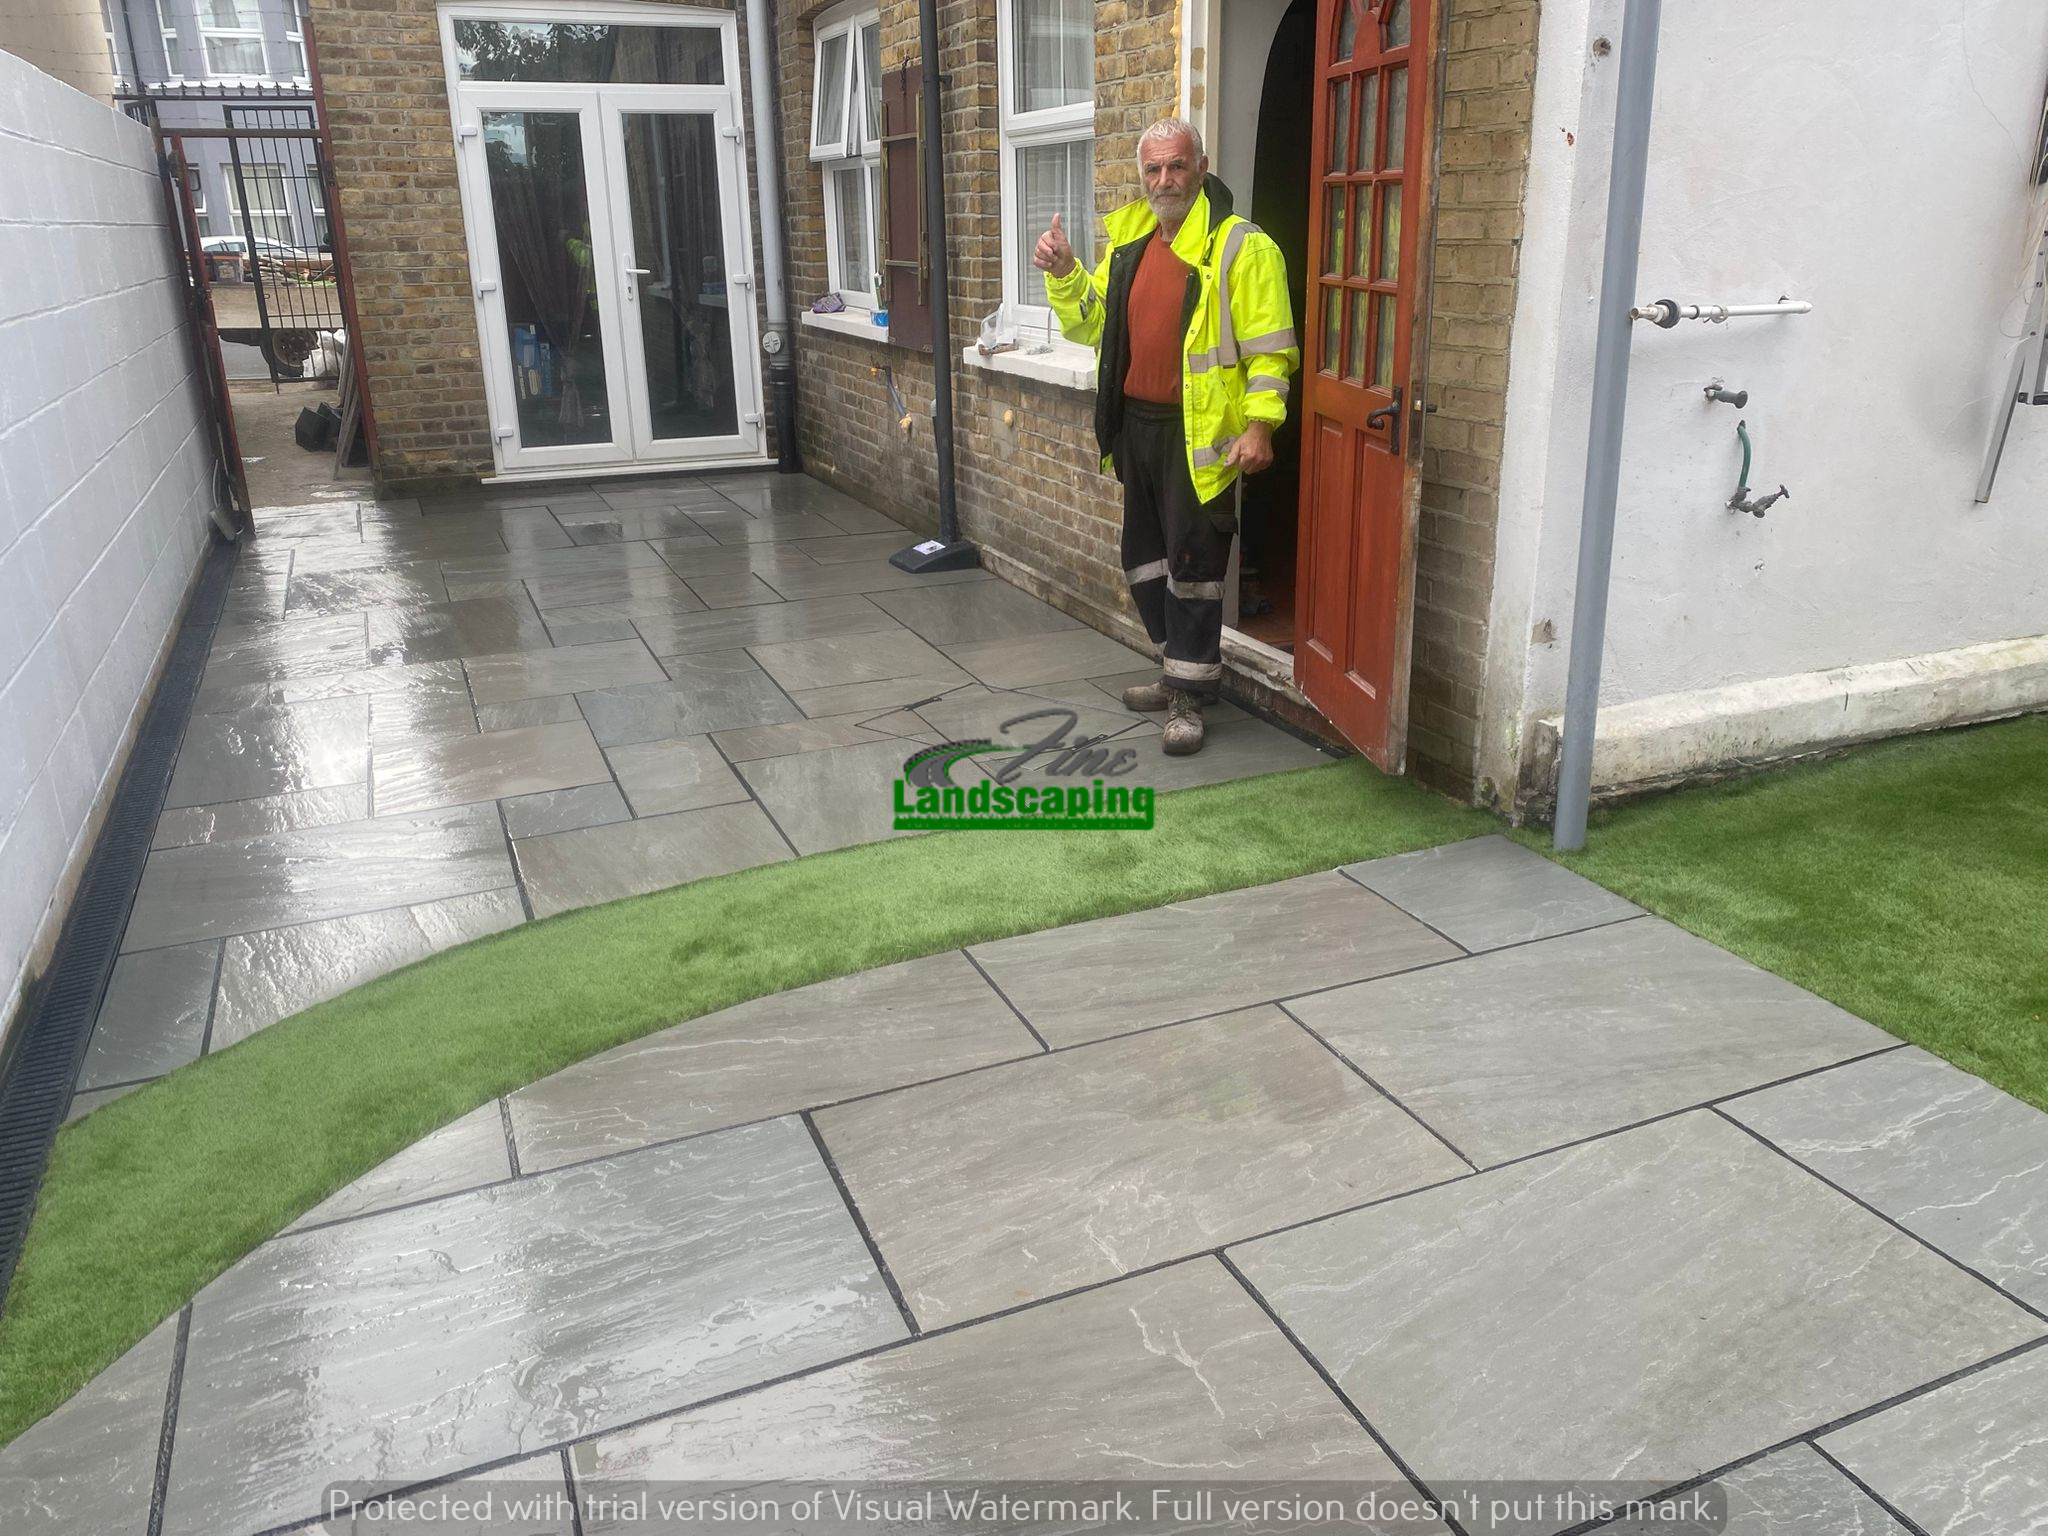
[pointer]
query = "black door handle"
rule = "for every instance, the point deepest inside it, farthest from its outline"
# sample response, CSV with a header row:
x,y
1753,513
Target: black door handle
x,y
1389,416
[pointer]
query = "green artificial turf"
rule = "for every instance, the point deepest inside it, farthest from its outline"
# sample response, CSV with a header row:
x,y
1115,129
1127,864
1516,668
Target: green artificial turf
x,y
151,1196
1907,882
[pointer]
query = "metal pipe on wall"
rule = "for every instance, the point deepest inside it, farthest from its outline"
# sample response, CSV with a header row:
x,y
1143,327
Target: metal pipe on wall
x,y
1629,170
935,224
777,343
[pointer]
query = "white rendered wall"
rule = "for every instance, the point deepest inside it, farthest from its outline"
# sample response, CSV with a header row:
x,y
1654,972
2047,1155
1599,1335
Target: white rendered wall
x,y
1238,77
1877,167
103,481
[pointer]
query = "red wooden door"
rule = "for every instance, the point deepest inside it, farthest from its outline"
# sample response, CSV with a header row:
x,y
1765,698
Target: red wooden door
x,y
1361,366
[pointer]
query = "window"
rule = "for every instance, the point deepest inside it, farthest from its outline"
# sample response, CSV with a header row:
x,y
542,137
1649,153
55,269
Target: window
x,y
233,30
270,214
169,34
846,142
107,29
197,186
295,53
1047,59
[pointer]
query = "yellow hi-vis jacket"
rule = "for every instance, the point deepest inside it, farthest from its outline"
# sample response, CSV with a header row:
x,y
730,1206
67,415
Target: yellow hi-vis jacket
x,y
1238,350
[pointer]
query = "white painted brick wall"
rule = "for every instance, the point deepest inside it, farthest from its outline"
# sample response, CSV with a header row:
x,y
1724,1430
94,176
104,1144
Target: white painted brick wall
x,y
104,482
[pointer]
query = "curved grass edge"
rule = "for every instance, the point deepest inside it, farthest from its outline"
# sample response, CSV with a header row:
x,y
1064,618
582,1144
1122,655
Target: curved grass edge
x,y
151,1196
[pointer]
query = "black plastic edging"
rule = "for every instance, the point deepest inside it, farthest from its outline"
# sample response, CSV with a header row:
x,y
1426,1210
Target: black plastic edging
x,y
48,1045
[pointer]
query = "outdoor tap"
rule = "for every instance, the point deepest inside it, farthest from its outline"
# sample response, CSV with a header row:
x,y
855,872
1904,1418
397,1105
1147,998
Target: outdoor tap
x,y
1757,506
1735,397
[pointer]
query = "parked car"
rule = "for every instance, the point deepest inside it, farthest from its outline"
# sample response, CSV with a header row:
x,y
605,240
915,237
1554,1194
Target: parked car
x,y
295,261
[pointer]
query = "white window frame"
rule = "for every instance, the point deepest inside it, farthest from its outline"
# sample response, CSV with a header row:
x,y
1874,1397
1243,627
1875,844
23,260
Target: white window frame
x,y
208,32
195,187
1023,286
296,43
852,149
169,34
281,214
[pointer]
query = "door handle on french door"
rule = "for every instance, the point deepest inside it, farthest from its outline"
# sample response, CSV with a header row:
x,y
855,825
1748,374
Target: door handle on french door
x,y
1389,416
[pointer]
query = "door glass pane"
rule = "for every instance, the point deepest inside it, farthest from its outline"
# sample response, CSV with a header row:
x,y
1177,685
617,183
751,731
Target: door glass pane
x,y
685,306
1055,41
1390,231
541,211
586,54
1397,117
1368,121
871,84
1333,328
1397,24
1340,125
1333,222
828,126
1361,220
1383,341
1056,179
1354,359
1347,30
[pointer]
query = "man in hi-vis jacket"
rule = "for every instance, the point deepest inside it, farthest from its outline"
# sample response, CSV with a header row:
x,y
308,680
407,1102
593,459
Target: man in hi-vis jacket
x,y
1194,337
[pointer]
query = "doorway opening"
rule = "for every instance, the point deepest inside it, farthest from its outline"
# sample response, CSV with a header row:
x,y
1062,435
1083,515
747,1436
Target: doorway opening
x,y
1264,128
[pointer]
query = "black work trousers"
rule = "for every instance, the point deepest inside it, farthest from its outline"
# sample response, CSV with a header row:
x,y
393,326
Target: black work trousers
x,y
1176,547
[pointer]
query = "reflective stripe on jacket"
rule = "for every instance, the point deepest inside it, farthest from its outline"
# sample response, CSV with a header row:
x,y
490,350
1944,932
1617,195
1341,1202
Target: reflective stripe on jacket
x,y
1238,350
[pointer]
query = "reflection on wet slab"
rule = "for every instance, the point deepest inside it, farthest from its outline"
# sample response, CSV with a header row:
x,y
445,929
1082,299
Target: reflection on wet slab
x,y
271,750
465,1154
254,653
271,813
154,1015
630,858
567,669
481,626
459,770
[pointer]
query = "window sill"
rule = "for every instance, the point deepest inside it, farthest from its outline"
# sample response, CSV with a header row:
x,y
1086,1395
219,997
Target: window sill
x,y
847,322
1064,365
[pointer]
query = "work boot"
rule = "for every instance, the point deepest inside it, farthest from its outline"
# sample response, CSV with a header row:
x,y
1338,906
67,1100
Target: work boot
x,y
1147,697
1183,724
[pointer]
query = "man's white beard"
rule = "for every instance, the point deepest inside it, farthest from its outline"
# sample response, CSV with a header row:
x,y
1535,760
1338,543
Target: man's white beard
x,y
1168,208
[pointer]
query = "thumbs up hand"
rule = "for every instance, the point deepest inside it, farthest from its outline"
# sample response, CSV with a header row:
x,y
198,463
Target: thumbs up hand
x,y
1053,254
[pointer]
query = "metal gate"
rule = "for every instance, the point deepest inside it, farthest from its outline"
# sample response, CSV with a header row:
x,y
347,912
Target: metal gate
x,y
279,203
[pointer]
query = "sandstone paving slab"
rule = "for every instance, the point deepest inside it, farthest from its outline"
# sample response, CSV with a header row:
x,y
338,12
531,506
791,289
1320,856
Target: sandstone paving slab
x,y
651,588
526,565
699,693
655,607
552,709
464,1154
1488,892
564,870
185,825
637,523
526,1498
1627,1313
854,546
671,495
593,632
1793,1492
253,653
751,743
419,677
246,884
850,515
765,493
739,590
884,696
872,575
420,1342
683,773
814,1045
989,610
91,1465
775,527
271,750
731,630
1006,716
832,798
1967,1459
693,558
1523,1049
482,626
1170,1376
1944,1154
565,669
276,972
564,810
1026,1180
154,1015
1083,983
832,660
1018,661
362,581
460,770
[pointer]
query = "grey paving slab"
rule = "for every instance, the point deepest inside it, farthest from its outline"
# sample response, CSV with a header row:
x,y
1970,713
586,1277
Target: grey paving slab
x,y
567,669
190,824
464,1154
154,1015
1969,1459
256,596
684,773
85,1102
737,590
833,798
655,607
423,1341
447,538
412,583
91,1465
854,546
854,518
527,1498
402,719
651,589
629,858
483,626
1522,1049
702,692
1039,1177
273,973
691,560
833,660
422,677
564,810
1171,1375
750,743
677,634
1793,1492
984,610
525,565
271,750
1242,947
640,523
460,770
1488,892
983,714
876,575
1017,661
675,494
551,709
1942,1153
814,1045
1239,749
245,884
1628,1313
593,632
766,494
775,527
884,696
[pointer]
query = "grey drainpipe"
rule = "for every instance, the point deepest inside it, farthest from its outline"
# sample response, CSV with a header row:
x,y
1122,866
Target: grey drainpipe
x,y
777,344
1625,178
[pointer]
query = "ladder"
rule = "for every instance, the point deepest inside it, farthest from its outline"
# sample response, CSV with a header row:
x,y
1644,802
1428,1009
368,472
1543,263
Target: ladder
x,y
2028,384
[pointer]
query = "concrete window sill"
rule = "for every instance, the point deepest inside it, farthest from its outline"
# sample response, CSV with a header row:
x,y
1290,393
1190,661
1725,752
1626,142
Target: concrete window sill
x,y
850,322
1065,366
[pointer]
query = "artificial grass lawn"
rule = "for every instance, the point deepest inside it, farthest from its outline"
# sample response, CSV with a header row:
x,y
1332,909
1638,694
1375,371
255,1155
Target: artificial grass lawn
x,y
151,1196
1907,882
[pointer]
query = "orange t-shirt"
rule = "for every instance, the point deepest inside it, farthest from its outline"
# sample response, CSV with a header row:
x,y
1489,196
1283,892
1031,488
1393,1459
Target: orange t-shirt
x,y
1157,293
